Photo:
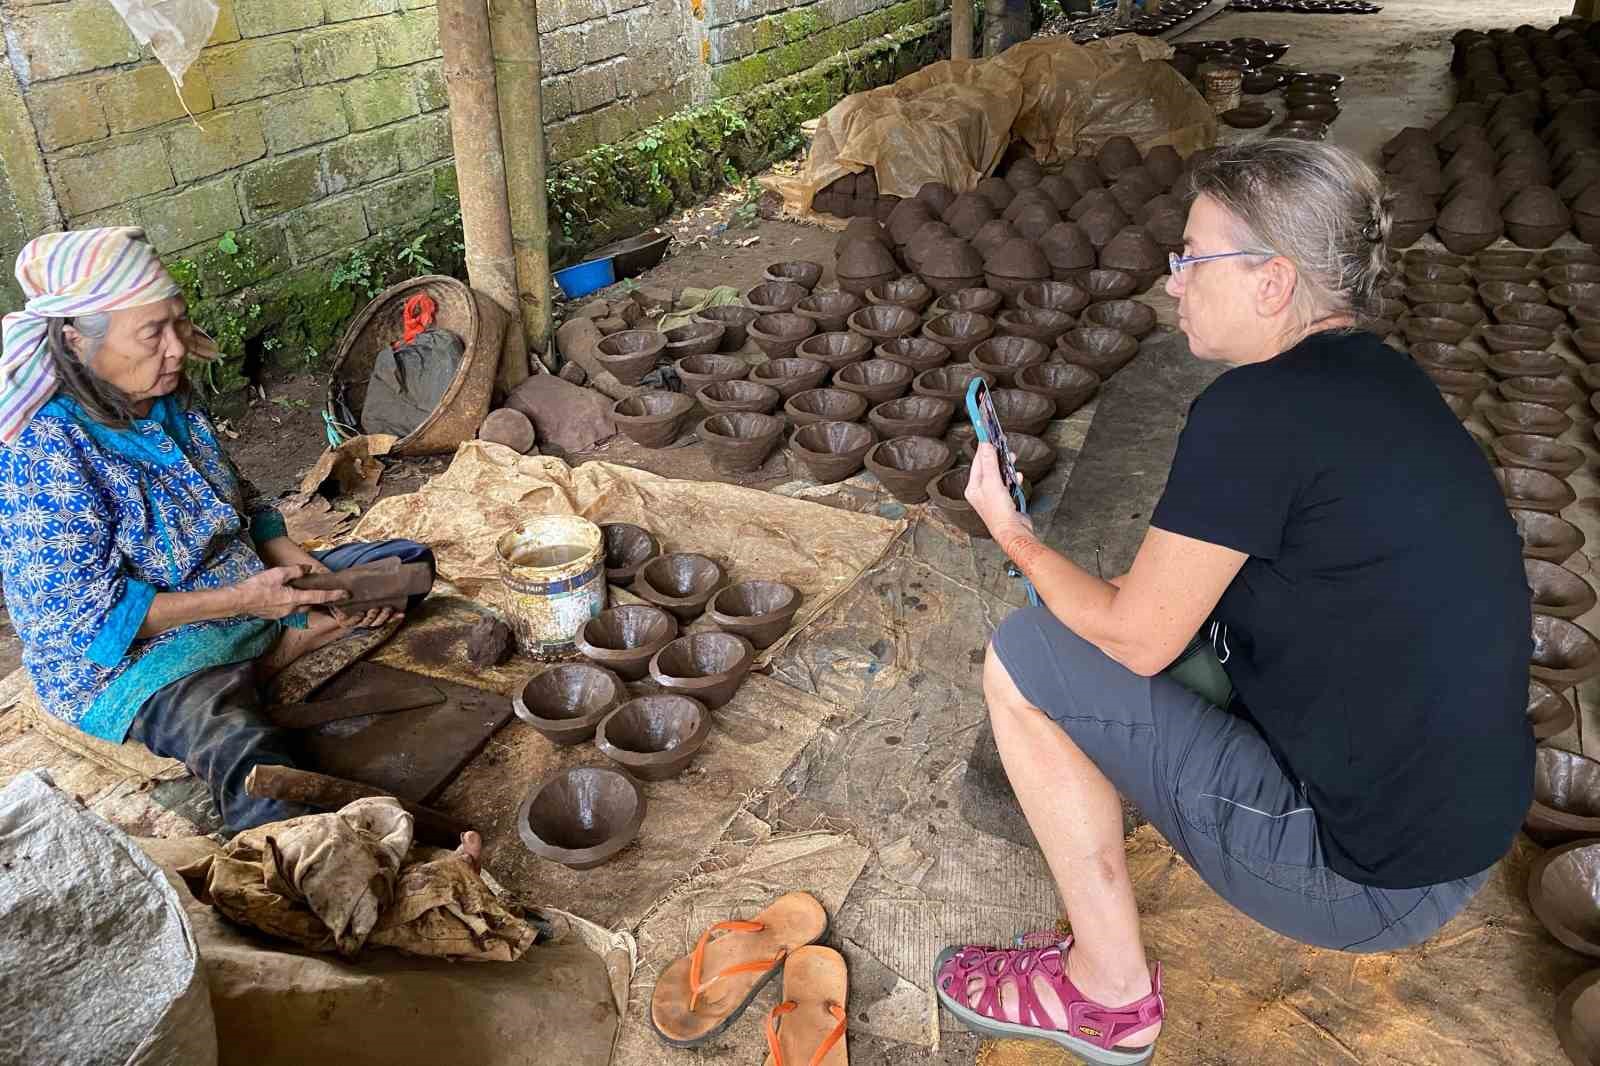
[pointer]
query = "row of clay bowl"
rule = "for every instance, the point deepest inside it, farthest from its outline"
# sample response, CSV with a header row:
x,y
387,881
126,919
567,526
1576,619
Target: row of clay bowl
x,y
1554,67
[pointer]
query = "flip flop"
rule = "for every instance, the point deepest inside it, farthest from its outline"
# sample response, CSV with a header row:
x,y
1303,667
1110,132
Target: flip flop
x,y
689,1008
808,1026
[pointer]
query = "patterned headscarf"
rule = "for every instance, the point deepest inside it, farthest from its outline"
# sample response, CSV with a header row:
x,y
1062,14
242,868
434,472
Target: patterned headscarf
x,y
63,275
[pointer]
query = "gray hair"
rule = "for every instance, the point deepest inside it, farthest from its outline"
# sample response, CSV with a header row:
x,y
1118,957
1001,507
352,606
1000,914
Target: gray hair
x,y
1315,205
100,400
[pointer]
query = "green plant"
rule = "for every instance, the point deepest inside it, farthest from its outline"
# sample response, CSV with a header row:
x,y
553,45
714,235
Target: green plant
x,y
356,273
414,256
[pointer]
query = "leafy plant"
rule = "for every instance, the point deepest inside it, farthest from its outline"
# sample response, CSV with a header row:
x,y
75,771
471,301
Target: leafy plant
x,y
356,272
413,255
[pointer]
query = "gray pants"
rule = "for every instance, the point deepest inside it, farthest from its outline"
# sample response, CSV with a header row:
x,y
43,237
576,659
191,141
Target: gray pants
x,y
1207,780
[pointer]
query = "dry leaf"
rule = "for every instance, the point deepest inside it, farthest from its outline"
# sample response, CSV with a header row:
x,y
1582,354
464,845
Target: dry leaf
x,y
353,467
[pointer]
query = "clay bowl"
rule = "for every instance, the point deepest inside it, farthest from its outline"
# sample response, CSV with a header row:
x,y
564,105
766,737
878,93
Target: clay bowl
x,y
773,297
1434,272
1549,712
1503,257
1429,292
1441,330
905,465
790,375
1566,794
832,451
1564,891
628,547
825,405
654,737
1528,452
1517,338
1445,356
680,582
698,371
1571,274
948,382
1466,314
758,611
1533,490
1534,418
1556,590
1247,116
726,397
1102,350
1524,364
910,292
566,702
977,301
1503,292
884,322
1034,456
694,338
1066,386
946,493
801,272
630,354
1569,257
1042,326
1538,315
735,321
740,442
959,331
1517,275
1103,285
1021,411
707,666
1053,296
1554,392
1002,357
1464,384
652,419
830,311
779,333
835,350
1564,653
918,353
623,638
1587,340
1312,111
1130,316
912,416
581,817
1547,536
1578,294
876,380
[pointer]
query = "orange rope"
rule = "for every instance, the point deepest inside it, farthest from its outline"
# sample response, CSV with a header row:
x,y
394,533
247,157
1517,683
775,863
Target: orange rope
x,y
418,316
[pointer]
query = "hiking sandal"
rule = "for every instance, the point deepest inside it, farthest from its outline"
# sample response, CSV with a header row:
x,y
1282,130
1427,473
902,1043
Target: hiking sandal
x,y
1092,1029
688,1007
811,1017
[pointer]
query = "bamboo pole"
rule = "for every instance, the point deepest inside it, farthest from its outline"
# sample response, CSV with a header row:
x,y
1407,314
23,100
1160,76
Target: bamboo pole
x,y
514,25
480,170
961,29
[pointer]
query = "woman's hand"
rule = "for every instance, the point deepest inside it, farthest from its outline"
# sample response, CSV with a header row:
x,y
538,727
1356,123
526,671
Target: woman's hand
x,y
268,595
986,492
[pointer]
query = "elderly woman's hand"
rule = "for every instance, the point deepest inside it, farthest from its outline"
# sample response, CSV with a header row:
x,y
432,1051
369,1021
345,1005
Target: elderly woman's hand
x,y
986,492
268,594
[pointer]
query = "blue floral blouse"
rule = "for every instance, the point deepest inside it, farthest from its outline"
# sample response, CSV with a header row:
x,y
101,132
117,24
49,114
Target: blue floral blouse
x,y
94,521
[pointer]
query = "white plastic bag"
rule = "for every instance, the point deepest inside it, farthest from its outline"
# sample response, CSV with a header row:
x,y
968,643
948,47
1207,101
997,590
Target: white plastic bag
x,y
175,29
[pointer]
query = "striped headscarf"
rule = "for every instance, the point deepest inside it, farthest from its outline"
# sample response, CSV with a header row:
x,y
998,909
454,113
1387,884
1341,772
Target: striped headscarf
x,y
63,275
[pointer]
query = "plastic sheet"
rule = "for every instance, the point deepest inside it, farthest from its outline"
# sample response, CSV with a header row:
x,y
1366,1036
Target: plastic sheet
x,y
175,30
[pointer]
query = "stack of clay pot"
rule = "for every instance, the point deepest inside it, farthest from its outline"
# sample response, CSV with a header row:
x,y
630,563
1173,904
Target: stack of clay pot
x,y
854,196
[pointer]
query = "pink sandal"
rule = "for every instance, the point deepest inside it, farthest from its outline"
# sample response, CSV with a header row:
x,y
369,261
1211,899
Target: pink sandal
x,y
1092,1029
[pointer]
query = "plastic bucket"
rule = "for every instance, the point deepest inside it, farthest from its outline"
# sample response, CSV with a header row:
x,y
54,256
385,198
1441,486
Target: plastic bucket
x,y
581,280
554,572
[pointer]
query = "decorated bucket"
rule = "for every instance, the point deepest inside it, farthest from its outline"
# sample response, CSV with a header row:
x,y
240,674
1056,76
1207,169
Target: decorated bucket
x,y
554,572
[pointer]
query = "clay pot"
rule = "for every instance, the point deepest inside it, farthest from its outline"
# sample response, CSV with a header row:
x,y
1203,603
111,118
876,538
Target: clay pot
x,y
694,338
948,382
1025,173
630,354
1104,351
780,333
741,442
1247,116
1587,341
1433,293
1164,164
909,292
1468,224
832,451
707,666
1301,129
1068,250
906,218
884,322
581,817
1537,419
1445,356
905,465
801,272
1083,174
734,319
825,405
1524,364
946,493
1554,392
1423,270
1014,266
1517,338
1066,386
978,301
1021,411
1571,274
628,547
1564,892
1442,330
1501,292
681,582
937,195
1518,275
923,240
1564,653
654,738
1103,285
1102,224
993,234
698,371
1533,490
1002,356
912,416
997,191
1535,217
1538,315
1129,316
759,611
829,310
1312,109
1566,798
863,264
1554,257
1035,220
1116,155
1463,384
960,331
623,638
1060,296
1549,713
652,419
566,702
1585,294
771,297
1503,257
835,350
1547,536
510,428
1557,591
1062,193
918,353
725,397
877,380
967,214
951,265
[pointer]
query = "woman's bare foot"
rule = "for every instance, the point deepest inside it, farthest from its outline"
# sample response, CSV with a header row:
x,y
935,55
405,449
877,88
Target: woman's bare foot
x,y
321,630
471,849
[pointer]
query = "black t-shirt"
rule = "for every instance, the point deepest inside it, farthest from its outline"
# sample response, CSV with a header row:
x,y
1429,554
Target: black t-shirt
x,y
1379,634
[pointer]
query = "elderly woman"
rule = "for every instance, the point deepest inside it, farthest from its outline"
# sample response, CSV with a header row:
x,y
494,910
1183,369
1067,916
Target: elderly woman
x,y
149,599
1339,543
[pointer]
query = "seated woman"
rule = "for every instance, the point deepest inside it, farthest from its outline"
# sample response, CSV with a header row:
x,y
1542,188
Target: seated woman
x,y
1336,537
149,603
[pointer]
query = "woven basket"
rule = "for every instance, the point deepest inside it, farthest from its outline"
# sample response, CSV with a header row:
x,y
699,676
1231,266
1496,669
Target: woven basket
x,y
476,319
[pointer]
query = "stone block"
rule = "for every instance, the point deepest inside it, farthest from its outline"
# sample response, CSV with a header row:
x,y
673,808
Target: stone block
x,y
66,113
593,87
226,31
229,139
424,140
607,40
145,96
407,38
432,94
732,42
572,137
615,122
651,74
311,116
555,96
261,18
198,213
251,69
381,98
91,180
362,158
344,10
70,38
558,13
395,204
326,227
337,53
284,183
116,215
561,52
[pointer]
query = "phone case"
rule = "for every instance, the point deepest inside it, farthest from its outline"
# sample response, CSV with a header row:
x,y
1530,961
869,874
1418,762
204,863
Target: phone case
x,y
995,435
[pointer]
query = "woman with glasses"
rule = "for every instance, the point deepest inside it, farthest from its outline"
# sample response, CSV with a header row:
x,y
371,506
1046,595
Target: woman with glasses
x,y
1312,680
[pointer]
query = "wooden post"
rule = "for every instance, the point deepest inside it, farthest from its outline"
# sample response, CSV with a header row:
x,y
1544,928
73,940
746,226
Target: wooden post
x,y
961,29
514,25
480,170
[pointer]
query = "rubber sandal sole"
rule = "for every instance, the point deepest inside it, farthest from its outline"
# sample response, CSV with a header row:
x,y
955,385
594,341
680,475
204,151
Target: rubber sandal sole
x,y
822,975
998,1030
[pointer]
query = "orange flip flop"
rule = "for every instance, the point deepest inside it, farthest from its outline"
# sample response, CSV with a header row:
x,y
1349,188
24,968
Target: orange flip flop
x,y
808,1026
704,992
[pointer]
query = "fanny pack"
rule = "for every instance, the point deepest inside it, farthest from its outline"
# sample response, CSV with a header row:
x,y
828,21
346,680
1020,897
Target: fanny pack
x,y
1199,669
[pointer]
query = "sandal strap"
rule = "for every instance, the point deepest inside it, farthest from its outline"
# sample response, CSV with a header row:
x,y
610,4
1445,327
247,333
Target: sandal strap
x,y
834,1035
697,958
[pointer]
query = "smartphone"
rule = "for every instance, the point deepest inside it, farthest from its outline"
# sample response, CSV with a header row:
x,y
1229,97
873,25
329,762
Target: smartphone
x,y
980,408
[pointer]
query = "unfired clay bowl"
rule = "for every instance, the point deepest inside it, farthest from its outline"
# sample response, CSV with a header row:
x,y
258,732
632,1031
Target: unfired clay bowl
x,y
1549,712
1556,590
628,547
566,702
905,465
1564,892
680,582
759,611
623,638
1564,653
1546,536
710,666
581,817
652,419
725,397
654,738
832,451
825,405
947,496
911,416
1068,387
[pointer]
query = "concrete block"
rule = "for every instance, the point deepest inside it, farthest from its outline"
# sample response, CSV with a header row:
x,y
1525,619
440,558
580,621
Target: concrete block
x,y
284,183
337,53
424,140
145,96
432,94
251,69
326,227
407,38
70,38
344,10
593,87
260,18
394,204
229,139
91,180
362,158
381,98
66,113
198,213
226,31
297,119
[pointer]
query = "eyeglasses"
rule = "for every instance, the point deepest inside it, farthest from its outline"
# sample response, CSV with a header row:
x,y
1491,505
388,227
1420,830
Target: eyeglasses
x,y
1176,263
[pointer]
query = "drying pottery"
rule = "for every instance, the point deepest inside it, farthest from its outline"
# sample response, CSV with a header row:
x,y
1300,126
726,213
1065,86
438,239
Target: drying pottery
x,y
863,264
906,218
1043,326
1556,590
630,354
1535,216
1468,224
912,416
1412,213
1247,116
825,405
1503,292
910,292
1301,129
997,191
1129,316
566,702
1518,363
1445,356
1014,266
1164,164
1066,386
1547,536
936,194
1575,294
1034,457
1428,270
771,297
832,451
1585,208
734,319
1587,340
623,638
652,419
1566,795
1061,192
1442,330
694,338
1312,108
905,465
918,353
1083,175
1504,338
510,428
682,582
1555,392
628,547
759,611
1117,154
1503,257
1068,250
1025,173
923,241
946,493
835,350
725,397
707,666
876,380
960,331
948,382
1569,257
967,214
698,371
1103,285
1459,406
1549,713
654,738
829,310
1463,384
742,441
1101,223
978,301
1060,296
1034,221
1420,293
801,272
993,234
780,333
1102,350
1002,356
1534,418
1538,315
1022,411
884,322
581,817
1517,275
1161,204
1564,892
1533,490
951,265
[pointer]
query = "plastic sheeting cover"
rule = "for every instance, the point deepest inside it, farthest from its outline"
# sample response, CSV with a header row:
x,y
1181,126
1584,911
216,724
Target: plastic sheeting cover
x,y
175,29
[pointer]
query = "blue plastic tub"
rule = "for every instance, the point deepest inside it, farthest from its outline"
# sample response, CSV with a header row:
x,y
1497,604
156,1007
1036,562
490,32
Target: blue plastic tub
x,y
581,280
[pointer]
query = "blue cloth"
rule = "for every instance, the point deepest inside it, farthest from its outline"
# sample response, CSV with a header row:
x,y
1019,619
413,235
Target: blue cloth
x,y
94,521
